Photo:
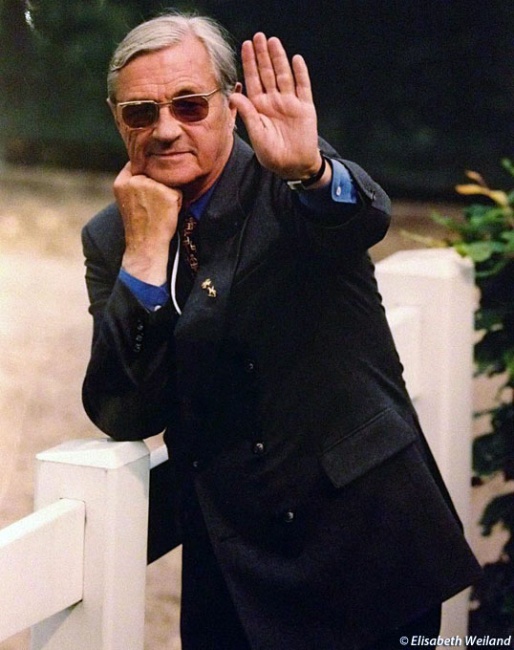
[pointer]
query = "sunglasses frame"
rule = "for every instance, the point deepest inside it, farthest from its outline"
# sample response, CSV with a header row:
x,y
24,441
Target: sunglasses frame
x,y
158,105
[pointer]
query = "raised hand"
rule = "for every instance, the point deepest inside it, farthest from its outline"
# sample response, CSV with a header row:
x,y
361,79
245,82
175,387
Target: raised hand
x,y
278,111
150,212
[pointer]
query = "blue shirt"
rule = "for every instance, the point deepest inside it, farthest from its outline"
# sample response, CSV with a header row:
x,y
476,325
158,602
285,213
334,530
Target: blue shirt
x,y
340,190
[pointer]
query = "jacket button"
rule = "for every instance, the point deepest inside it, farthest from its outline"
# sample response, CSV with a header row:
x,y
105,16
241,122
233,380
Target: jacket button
x,y
139,338
258,448
289,516
137,347
140,327
249,366
196,464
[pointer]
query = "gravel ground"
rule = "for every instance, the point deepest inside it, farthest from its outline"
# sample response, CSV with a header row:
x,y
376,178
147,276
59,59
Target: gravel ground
x,y
45,336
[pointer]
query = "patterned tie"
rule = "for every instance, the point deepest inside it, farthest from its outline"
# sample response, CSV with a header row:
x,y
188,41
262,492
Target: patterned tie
x,y
188,243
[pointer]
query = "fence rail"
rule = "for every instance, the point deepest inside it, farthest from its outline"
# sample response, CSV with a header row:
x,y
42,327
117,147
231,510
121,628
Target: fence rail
x,y
58,530
75,569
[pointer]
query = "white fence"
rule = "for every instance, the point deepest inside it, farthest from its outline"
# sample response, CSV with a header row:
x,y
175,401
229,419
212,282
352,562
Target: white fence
x,y
75,569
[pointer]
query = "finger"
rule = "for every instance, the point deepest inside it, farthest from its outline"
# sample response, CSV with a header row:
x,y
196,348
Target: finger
x,y
302,78
121,182
125,173
264,65
282,68
250,71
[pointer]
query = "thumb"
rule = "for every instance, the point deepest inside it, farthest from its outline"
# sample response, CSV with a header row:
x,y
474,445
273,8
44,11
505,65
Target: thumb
x,y
246,111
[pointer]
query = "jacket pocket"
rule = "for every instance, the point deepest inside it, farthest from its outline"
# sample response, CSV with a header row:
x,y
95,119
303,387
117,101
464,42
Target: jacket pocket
x,y
366,447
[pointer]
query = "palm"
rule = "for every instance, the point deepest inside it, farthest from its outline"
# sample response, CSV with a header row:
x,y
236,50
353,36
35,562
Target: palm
x,y
278,112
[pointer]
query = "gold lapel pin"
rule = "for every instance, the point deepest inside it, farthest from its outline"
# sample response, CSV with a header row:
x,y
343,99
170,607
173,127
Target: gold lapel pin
x,y
209,287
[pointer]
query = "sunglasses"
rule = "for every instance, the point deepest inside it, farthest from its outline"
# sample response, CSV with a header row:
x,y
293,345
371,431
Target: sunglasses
x,y
141,114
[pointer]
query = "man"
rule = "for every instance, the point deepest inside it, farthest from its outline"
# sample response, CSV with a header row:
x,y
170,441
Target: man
x,y
309,507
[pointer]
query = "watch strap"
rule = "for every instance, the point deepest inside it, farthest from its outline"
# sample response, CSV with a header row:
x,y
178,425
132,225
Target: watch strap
x,y
304,184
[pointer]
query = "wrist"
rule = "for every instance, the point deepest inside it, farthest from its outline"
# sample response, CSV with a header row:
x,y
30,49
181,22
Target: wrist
x,y
319,178
145,268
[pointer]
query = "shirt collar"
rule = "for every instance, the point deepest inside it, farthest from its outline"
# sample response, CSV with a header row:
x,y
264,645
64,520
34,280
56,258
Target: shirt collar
x,y
197,208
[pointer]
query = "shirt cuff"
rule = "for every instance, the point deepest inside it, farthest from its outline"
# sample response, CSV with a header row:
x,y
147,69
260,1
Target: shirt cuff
x,y
341,190
149,295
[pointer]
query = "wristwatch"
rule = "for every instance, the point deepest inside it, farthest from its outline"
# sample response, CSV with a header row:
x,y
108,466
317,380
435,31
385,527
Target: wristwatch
x,y
297,185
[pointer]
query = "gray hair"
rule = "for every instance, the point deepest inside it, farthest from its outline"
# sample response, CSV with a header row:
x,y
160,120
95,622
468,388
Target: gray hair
x,y
171,29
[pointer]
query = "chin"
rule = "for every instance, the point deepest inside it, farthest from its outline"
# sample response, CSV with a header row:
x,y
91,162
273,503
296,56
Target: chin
x,y
169,177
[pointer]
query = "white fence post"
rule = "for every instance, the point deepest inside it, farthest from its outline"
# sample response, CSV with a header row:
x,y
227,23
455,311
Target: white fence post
x,y
440,284
111,478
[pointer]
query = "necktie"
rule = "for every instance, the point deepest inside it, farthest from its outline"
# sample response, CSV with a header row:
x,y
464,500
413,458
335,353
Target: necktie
x,y
188,243
188,259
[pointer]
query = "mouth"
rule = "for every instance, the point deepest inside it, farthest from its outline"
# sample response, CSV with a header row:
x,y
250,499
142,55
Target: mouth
x,y
168,155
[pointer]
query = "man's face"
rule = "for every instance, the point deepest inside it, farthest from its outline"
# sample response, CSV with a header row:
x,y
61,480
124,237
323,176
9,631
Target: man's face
x,y
188,156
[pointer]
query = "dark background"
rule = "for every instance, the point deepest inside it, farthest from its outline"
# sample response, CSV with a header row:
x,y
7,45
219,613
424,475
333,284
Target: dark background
x,y
416,91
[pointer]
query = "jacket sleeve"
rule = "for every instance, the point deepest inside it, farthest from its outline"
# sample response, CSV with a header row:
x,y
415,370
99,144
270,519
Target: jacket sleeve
x,y
348,229
128,390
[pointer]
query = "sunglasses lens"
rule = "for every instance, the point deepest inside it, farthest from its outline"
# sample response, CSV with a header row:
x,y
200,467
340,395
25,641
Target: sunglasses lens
x,y
139,116
192,109
143,114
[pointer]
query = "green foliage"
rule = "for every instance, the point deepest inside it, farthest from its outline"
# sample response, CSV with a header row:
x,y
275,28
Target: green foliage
x,y
493,452
485,234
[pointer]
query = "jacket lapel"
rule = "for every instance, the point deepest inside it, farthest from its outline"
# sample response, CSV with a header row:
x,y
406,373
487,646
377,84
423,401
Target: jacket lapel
x,y
220,231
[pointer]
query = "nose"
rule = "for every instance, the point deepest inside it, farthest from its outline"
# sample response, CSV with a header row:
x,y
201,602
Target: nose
x,y
166,127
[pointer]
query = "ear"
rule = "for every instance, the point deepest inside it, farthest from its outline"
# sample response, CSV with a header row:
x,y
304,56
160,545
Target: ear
x,y
238,88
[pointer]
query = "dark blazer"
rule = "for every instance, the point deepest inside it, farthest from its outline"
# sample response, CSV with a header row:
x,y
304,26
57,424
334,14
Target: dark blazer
x,y
283,401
